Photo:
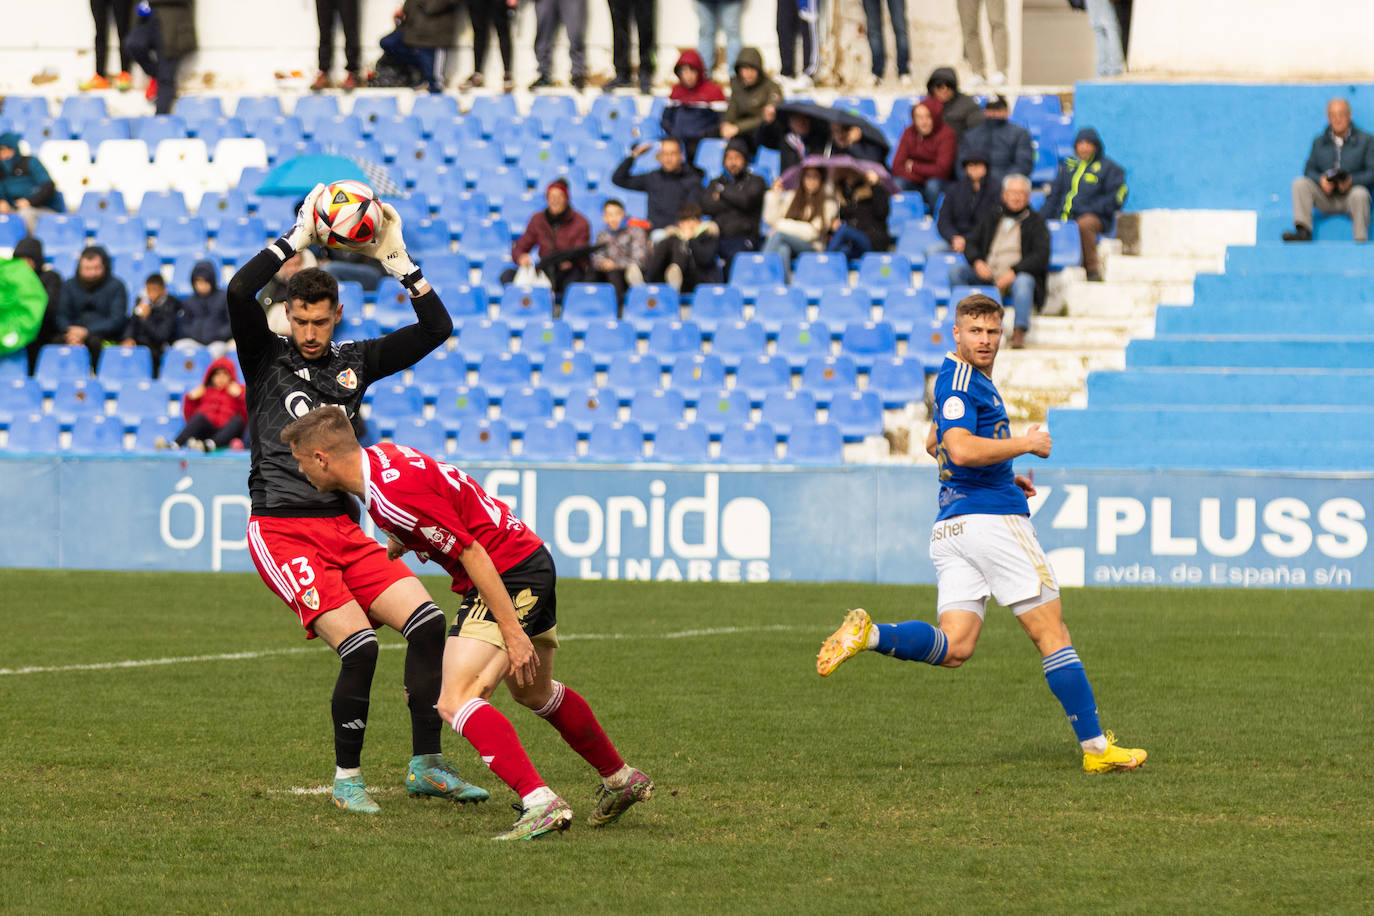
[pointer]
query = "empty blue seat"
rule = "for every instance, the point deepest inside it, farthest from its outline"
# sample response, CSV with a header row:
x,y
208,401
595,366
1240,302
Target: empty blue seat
x,y
824,376
714,305
460,404
78,398
903,209
723,408
160,207
439,370
34,432
19,396
493,266
371,109
522,406
614,107
12,229
839,305
606,339
482,440
616,442
864,106
74,108
181,235
696,374
539,339
776,306
57,362
857,414
897,381
750,270
647,304
393,403
427,436
1065,248
906,308
156,128
584,303
482,238
523,304
1046,166
799,341
120,234
97,434
351,296
499,372
631,372
655,407
14,365
958,294
149,430
709,155
431,110
198,108
137,400
865,341
937,273
256,108
482,338
33,107
682,443
818,443
738,340
549,440
61,234
315,109
218,207
239,239
586,407
550,108
184,367
878,271
670,339
785,409
915,237
749,443
930,342
816,270
759,375
568,371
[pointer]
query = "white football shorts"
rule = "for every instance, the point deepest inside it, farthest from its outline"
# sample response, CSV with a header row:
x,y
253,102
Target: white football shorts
x,y
999,555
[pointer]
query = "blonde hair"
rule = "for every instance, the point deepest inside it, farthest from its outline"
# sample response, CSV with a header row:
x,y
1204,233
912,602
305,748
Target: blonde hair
x,y
324,428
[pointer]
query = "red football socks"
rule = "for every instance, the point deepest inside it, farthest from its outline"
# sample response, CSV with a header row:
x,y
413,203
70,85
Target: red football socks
x,y
491,734
570,714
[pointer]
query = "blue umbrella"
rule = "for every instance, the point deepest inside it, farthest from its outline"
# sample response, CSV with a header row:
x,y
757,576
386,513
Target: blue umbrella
x,y
297,177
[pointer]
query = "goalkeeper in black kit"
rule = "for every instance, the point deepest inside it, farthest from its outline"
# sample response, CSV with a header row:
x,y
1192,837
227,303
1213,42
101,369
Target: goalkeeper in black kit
x,y
307,545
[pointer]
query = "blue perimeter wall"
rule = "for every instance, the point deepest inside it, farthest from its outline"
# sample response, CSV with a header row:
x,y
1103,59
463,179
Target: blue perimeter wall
x,y
1212,146
853,523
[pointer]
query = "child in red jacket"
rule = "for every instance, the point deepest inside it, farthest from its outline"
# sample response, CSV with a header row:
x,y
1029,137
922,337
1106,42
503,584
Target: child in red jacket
x,y
216,413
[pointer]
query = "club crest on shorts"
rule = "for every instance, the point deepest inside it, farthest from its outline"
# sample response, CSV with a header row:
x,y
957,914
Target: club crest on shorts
x,y
347,378
311,599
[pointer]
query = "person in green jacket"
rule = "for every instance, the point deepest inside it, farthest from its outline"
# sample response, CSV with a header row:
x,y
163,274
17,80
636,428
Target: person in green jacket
x,y
22,303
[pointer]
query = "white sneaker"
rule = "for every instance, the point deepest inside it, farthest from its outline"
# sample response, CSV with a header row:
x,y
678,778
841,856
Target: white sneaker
x,y
803,83
997,78
907,82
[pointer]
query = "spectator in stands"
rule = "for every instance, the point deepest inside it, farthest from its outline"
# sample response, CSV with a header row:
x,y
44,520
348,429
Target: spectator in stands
x,y
556,229
1009,249
215,411
971,19
751,91
92,307
273,296
734,200
849,140
205,313
798,17
549,15
674,183
801,219
643,13
427,27
1338,176
487,15
860,225
624,250
961,112
102,11
687,254
166,33
718,16
924,160
873,12
1090,189
966,203
1009,147
25,186
794,139
153,323
695,105
346,11
30,251
22,303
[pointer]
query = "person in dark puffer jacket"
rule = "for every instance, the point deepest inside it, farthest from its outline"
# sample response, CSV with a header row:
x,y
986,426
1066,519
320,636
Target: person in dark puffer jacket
x,y
734,200
961,113
674,183
205,313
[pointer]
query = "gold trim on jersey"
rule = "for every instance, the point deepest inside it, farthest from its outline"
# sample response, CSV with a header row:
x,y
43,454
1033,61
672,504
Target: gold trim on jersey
x,y
962,375
1033,553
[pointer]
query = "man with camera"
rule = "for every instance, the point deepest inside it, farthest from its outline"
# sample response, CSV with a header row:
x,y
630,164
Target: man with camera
x,y
1339,171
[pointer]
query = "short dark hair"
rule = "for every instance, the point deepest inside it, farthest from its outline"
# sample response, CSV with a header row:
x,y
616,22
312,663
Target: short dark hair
x,y
688,211
325,428
976,306
311,284
156,279
997,103
613,202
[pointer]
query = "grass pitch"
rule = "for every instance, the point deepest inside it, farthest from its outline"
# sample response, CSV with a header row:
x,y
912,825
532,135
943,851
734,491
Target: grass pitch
x,y
193,784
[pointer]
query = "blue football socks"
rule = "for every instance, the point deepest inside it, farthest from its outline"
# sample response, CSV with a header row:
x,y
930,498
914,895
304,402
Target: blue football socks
x,y
1069,683
913,641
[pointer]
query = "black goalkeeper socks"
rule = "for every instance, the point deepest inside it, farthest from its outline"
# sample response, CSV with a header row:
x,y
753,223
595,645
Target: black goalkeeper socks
x,y
358,661
424,671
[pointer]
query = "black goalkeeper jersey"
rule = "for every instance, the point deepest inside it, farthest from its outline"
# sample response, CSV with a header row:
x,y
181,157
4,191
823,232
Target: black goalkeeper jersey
x,y
283,385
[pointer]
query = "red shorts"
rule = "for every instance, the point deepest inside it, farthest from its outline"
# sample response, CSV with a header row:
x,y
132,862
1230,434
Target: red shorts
x,y
319,564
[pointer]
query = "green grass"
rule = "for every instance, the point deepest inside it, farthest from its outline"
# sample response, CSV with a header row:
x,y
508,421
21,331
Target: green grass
x,y
889,787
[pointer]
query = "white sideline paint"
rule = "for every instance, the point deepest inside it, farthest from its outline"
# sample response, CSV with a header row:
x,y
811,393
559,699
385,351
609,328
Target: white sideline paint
x,y
266,653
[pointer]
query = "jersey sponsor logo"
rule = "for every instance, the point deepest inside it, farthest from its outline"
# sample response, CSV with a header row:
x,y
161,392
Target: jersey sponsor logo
x,y
947,530
442,540
953,408
311,599
390,475
298,403
347,378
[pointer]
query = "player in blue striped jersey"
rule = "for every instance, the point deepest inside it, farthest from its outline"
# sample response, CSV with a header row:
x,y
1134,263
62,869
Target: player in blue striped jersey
x,y
983,544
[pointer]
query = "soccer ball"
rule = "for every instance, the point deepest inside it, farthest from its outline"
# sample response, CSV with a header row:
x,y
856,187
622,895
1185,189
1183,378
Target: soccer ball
x,y
347,214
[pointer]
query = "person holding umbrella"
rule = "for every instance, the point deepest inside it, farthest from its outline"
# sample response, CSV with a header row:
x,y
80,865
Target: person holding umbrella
x,y
801,219
861,225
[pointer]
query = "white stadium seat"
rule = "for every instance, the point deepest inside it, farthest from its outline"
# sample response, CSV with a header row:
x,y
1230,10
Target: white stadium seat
x,y
233,155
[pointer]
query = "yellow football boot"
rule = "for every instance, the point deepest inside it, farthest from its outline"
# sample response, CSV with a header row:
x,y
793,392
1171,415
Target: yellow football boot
x,y
1114,758
846,642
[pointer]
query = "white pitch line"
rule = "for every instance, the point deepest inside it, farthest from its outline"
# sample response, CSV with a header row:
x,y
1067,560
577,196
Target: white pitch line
x,y
299,650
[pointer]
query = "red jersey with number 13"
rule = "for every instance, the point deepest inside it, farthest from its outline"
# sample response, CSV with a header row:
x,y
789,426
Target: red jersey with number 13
x,y
436,510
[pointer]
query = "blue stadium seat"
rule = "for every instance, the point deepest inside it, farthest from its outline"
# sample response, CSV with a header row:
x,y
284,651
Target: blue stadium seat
x,y
35,433
824,376
655,407
30,107
493,266
647,304
785,409
549,108
373,111
907,308
355,327
58,363
958,294
14,365
1065,247
482,238
121,364
426,435
96,205
19,396
1046,166
817,270
198,108
930,343
161,207
78,398
709,156
39,132
587,407
723,408
584,303
867,341
540,339
121,234
630,372
141,399
879,271
521,305
12,229
840,305
864,106
351,296
428,238
218,207
737,340
432,109
314,109
153,129
549,440
749,443
450,273
819,443
535,159
256,108
752,270
776,306
903,209
714,305
149,430
461,404
183,367
697,374
915,238
393,403
682,443
239,239
758,375
482,338
74,108
453,139
606,340
897,381
413,209
670,339
616,443
61,234
482,440
500,372
568,371
606,108
439,370
937,273
857,414
799,341
393,308
522,406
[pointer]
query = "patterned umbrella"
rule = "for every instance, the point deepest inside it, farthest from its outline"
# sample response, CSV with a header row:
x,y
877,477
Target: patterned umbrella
x,y
837,165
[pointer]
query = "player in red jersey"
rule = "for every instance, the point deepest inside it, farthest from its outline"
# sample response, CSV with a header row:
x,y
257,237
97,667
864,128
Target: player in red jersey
x,y
506,627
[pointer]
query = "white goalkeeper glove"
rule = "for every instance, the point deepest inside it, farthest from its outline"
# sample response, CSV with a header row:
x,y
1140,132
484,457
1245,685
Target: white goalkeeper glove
x,y
302,235
389,247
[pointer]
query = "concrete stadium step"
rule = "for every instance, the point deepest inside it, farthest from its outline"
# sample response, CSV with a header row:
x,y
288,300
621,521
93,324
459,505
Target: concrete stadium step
x,y
1034,380
1185,233
1129,300
1160,269
1087,331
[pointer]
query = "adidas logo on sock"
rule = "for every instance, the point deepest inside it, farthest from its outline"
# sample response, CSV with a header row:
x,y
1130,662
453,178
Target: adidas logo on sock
x,y
356,725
